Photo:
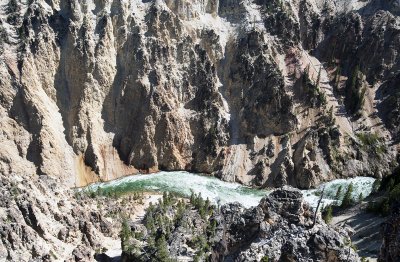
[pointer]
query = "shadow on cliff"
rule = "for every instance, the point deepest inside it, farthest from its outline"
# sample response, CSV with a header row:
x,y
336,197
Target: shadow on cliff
x,y
127,103
60,23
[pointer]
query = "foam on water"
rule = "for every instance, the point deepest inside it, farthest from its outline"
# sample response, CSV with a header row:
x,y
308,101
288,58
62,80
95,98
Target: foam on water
x,y
183,183
361,185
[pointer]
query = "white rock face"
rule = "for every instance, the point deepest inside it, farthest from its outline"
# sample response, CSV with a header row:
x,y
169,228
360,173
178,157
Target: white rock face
x,y
102,89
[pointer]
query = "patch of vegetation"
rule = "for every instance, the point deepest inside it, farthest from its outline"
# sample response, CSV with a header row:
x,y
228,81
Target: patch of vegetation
x,y
376,185
381,207
316,97
329,118
389,191
171,216
265,259
327,214
350,244
108,193
14,191
346,200
372,143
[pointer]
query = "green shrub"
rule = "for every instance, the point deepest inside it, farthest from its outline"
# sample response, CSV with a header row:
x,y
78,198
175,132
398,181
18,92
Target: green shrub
x,y
390,188
372,143
376,185
379,208
394,195
265,259
327,214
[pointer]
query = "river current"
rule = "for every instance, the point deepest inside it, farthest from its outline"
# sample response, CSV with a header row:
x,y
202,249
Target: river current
x,y
220,192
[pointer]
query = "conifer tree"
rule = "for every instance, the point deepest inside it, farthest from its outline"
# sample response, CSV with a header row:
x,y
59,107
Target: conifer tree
x,y
347,199
162,253
338,193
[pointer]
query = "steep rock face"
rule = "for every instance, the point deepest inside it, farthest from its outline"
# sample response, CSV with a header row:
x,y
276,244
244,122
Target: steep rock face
x,y
255,91
108,88
390,106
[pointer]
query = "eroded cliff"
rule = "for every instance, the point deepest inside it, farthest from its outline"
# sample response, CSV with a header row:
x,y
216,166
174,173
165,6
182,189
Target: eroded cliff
x,y
267,93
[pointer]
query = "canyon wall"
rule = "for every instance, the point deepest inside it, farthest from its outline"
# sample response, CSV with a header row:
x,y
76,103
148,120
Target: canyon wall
x,y
266,93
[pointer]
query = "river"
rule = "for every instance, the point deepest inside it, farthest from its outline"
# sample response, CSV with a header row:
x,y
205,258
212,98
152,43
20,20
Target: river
x,y
217,191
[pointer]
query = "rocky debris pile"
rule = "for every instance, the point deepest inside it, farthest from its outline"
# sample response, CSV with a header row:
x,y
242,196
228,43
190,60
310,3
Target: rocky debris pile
x,y
280,228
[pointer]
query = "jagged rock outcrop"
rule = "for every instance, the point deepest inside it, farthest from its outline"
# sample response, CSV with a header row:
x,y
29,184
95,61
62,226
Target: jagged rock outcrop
x,y
390,106
280,228
41,221
109,88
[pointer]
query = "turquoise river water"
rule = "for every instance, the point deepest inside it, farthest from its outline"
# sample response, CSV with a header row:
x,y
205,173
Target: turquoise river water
x,y
221,192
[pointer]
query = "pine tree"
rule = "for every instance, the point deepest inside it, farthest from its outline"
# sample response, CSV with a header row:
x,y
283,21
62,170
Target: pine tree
x,y
376,186
165,198
390,185
162,253
338,193
337,77
331,119
360,197
347,199
319,76
150,225
126,230
125,234
192,197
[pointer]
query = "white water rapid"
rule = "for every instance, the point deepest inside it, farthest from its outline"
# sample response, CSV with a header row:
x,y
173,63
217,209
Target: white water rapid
x,y
221,192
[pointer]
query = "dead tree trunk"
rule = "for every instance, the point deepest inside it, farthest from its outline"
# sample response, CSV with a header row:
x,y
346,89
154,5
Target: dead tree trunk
x,y
319,203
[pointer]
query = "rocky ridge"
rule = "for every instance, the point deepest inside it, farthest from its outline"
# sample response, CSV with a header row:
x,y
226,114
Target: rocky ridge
x,y
280,228
42,222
